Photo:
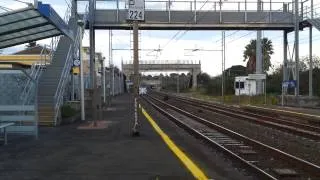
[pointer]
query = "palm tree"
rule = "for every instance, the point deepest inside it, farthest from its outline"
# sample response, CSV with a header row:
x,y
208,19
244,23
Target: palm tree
x,y
250,54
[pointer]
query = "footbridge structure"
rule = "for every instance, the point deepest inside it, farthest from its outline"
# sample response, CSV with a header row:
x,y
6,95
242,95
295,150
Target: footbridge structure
x,y
194,67
198,15
284,15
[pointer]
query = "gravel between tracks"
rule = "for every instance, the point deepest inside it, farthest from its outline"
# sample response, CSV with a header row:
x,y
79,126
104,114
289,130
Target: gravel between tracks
x,y
222,166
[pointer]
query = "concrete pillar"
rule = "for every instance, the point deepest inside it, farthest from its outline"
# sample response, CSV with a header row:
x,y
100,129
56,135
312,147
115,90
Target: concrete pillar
x,y
194,79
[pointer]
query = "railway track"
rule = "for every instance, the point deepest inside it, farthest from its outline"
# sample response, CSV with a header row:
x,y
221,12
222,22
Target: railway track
x,y
296,128
265,161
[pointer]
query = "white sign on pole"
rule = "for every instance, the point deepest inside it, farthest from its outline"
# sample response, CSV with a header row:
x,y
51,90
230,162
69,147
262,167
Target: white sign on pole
x,y
76,62
257,76
136,10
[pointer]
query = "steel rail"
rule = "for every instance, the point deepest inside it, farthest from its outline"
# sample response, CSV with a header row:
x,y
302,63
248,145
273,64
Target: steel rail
x,y
295,128
296,161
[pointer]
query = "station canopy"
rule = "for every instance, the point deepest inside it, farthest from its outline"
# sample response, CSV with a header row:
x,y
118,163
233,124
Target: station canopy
x,y
31,24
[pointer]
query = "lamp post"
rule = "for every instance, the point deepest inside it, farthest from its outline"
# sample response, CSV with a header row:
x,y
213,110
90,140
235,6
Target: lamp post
x,y
81,24
103,79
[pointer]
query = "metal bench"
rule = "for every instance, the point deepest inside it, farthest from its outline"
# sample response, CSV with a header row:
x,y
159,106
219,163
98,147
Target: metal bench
x,y
4,126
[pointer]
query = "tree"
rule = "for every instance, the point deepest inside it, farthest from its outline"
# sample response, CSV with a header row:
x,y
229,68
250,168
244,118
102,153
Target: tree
x,y
31,44
203,79
304,63
236,70
249,54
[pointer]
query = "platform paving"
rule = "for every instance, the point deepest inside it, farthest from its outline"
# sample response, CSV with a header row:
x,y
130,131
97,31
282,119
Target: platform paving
x,y
68,152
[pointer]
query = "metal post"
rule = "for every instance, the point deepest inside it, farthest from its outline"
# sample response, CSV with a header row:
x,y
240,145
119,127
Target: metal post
x,y
104,80
285,55
311,62
270,9
136,76
301,13
285,63
310,56
282,95
169,14
112,80
111,55
245,9
178,84
220,16
239,90
270,5
72,92
223,65
311,7
259,59
249,91
117,10
36,110
195,11
92,61
74,8
296,33
81,72
265,91
119,79
110,64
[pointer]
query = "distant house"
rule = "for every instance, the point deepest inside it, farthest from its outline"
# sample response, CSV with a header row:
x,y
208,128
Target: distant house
x,y
244,86
25,58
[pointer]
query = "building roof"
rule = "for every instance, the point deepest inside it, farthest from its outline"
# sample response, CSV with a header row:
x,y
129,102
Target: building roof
x,y
33,50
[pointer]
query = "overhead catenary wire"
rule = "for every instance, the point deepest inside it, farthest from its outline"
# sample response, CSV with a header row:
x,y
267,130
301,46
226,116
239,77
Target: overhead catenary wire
x,y
317,4
186,25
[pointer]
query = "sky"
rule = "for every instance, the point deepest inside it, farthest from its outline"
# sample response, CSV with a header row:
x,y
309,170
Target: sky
x,y
176,48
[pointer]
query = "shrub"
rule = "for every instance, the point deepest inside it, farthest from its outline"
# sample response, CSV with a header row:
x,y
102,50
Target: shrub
x,y
67,111
274,100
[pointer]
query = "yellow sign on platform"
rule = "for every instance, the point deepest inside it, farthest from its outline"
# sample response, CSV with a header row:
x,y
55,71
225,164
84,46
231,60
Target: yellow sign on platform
x,y
75,70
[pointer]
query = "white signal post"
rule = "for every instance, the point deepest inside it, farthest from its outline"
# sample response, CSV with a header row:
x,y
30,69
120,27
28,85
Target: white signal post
x,y
81,24
136,14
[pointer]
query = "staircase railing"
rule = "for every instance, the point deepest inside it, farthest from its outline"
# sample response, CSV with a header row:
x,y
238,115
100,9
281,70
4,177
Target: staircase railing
x,y
58,97
306,12
35,72
37,68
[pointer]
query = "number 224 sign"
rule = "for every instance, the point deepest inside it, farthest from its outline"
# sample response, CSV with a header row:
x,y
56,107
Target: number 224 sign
x,y
135,14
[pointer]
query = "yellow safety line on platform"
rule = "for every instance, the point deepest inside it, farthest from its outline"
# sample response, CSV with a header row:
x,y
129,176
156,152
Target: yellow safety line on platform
x,y
280,110
192,167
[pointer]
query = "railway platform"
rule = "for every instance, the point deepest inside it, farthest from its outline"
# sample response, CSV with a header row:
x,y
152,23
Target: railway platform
x,y
108,152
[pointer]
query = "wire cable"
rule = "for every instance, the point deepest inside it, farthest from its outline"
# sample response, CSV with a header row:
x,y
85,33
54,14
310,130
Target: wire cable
x,y
185,31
